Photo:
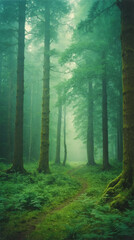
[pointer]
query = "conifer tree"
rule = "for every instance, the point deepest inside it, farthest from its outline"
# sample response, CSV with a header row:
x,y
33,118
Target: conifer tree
x,y
65,144
121,189
8,43
53,11
106,164
44,148
58,142
18,146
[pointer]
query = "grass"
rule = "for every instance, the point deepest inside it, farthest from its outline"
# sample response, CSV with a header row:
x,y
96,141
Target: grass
x,y
56,206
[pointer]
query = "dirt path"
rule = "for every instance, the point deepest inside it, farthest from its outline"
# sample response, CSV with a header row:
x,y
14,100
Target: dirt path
x,y
31,226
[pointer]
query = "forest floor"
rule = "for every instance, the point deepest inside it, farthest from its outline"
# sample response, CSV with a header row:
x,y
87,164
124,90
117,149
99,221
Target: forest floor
x,y
63,205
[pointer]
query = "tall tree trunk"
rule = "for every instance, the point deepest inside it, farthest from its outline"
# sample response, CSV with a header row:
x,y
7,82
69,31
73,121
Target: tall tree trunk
x,y
57,159
1,145
65,144
120,130
121,189
44,148
104,116
18,145
9,127
1,61
90,128
11,108
128,88
31,124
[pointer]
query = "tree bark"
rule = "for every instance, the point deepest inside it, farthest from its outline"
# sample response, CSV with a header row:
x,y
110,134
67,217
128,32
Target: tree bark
x,y
128,88
121,189
57,159
1,140
30,125
106,164
90,128
18,145
120,130
65,144
11,108
1,62
44,148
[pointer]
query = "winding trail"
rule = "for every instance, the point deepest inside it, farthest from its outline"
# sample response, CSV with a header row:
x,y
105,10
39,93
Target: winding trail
x,y
31,226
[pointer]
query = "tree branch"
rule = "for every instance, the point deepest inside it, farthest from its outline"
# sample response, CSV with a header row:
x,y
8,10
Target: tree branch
x,y
99,14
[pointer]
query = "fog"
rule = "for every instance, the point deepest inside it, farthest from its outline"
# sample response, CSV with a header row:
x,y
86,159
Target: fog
x,y
63,67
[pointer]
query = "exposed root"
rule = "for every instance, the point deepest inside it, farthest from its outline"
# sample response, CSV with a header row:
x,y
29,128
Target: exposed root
x,y
121,201
118,193
110,191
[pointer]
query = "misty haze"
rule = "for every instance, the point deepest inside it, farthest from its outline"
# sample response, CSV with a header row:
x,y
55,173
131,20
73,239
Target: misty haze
x,y
66,119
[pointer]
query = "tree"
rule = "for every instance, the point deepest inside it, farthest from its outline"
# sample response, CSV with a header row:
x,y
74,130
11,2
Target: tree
x,y
54,10
102,26
8,43
44,148
58,142
90,127
65,144
121,189
104,115
81,86
87,45
18,147
120,130
11,103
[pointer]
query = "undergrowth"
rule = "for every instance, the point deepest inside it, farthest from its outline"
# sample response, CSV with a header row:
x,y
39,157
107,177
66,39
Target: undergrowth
x,y
23,199
96,221
99,222
33,191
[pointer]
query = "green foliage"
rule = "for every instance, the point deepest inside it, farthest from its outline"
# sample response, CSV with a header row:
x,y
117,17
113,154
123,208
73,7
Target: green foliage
x,y
95,221
98,222
80,218
33,191
36,12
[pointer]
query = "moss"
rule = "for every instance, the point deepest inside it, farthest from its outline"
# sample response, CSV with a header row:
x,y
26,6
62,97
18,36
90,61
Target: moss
x,y
119,192
114,182
111,189
120,202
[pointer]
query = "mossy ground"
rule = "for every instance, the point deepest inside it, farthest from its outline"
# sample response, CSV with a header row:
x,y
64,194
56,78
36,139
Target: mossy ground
x,y
63,205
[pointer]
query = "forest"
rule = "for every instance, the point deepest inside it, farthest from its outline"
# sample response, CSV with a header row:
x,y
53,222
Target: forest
x,y
66,119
